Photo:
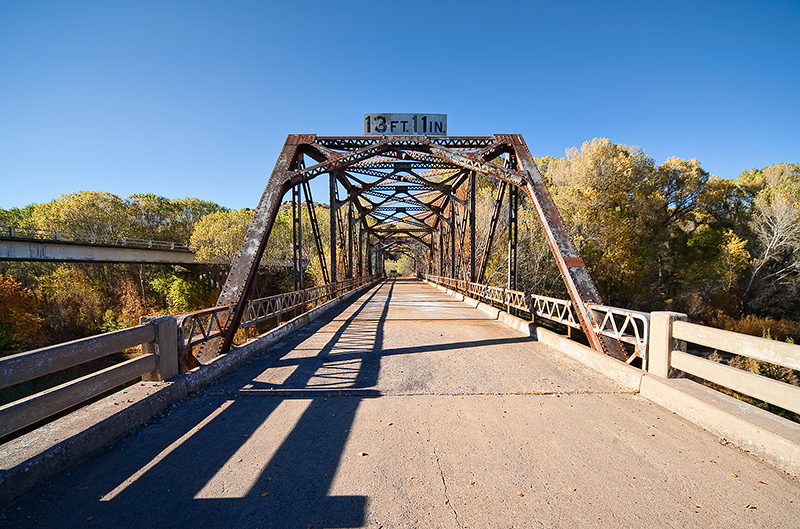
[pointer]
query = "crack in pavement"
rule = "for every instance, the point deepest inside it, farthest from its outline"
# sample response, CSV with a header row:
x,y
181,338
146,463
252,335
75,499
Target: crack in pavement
x,y
444,483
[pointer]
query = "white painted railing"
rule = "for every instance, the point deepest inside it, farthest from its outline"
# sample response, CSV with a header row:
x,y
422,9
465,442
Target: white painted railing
x,y
670,334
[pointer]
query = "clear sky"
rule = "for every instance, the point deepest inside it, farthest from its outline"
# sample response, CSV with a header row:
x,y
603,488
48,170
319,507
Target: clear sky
x,y
195,98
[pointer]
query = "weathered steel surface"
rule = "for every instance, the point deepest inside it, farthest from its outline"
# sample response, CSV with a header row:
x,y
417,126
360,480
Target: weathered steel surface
x,y
410,187
243,272
576,277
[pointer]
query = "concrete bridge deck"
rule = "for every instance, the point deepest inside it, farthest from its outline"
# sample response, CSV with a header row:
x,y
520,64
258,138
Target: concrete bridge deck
x,y
408,409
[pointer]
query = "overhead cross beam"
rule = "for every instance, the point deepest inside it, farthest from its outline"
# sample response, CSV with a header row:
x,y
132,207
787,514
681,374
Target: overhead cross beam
x,y
410,188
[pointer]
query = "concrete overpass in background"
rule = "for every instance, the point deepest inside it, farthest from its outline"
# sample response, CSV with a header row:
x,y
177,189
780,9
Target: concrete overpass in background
x,y
31,244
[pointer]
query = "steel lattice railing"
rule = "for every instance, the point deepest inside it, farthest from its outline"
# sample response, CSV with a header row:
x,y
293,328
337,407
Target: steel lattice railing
x,y
628,326
203,325
625,325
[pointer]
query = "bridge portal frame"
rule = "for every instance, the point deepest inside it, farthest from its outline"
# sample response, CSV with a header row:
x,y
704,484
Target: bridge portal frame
x,y
419,184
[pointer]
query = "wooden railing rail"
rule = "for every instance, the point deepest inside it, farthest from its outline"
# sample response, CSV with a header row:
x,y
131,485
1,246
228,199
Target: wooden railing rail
x,y
158,361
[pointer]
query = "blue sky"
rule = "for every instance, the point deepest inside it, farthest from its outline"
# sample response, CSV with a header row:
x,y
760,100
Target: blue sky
x,y
195,98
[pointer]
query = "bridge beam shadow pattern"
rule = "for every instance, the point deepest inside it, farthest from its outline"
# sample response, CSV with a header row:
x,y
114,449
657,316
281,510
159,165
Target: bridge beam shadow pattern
x,y
407,408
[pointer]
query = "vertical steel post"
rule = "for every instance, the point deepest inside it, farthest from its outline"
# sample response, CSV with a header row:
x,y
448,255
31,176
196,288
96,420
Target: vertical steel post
x,y
472,226
312,215
452,238
487,247
297,237
334,207
368,252
360,241
441,249
350,266
512,238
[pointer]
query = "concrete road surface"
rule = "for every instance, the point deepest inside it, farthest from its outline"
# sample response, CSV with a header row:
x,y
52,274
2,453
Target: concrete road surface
x,y
408,409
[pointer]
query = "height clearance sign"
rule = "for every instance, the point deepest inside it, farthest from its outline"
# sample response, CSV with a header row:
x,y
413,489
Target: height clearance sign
x,y
405,124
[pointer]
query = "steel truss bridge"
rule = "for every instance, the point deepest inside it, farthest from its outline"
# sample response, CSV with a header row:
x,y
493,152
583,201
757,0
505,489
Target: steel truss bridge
x,y
415,195
384,349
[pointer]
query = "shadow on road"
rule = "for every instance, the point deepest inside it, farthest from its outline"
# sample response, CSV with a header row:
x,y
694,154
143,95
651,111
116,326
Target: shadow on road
x,y
249,453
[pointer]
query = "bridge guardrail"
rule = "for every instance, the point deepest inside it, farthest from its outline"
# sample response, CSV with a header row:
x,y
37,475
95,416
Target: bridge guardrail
x,y
670,334
203,325
165,342
38,234
625,325
158,361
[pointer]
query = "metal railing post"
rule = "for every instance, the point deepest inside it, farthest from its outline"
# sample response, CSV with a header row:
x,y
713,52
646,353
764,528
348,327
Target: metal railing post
x,y
662,343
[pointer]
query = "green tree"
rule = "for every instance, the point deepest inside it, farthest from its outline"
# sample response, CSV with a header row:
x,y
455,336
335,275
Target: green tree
x,y
156,217
218,236
86,212
16,217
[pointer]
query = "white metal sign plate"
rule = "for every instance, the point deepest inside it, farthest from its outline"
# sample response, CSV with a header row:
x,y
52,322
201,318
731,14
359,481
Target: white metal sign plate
x,y
390,124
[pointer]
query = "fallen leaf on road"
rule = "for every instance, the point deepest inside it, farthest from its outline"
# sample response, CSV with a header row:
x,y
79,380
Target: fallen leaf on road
x,y
265,494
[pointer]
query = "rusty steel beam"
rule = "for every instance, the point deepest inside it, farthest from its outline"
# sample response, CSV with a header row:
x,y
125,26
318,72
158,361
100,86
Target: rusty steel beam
x,y
358,142
573,270
245,267
451,163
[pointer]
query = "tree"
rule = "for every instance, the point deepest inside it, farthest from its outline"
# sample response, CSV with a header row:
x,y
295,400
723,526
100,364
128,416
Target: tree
x,y
218,236
76,304
606,195
20,324
774,283
16,217
86,212
156,217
